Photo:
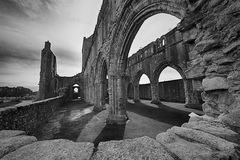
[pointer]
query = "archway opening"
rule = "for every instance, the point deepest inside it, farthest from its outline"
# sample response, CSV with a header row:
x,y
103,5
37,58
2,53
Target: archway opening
x,y
171,86
152,29
130,91
75,91
144,88
122,42
104,83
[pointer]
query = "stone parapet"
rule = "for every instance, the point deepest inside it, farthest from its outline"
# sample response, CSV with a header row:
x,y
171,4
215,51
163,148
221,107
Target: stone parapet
x,y
28,117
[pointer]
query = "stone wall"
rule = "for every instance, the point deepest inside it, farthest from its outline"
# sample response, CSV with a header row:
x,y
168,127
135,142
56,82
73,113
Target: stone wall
x,y
170,91
51,84
28,117
68,83
212,29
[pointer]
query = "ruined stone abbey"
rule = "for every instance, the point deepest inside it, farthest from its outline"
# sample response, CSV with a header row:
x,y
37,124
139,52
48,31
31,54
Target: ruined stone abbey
x,y
204,48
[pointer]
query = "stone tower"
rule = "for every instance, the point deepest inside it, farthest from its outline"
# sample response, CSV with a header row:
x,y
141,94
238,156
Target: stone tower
x,y
47,84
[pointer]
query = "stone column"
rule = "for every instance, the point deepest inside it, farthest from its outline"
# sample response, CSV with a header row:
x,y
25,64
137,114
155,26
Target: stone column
x,y
155,93
117,100
191,99
99,105
136,93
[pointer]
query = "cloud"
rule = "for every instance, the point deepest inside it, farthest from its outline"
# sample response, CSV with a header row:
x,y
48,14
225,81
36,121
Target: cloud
x,y
27,24
33,9
8,53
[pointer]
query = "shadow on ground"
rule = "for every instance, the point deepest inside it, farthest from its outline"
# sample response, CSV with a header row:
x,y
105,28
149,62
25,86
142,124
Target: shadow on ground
x,y
77,122
163,113
110,132
67,122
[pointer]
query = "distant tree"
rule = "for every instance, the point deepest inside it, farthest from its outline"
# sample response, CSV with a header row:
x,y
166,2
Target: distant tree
x,y
14,91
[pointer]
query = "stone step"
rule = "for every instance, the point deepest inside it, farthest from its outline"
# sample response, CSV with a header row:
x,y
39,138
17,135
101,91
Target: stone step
x,y
10,133
214,128
53,150
8,145
138,148
187,150
214,142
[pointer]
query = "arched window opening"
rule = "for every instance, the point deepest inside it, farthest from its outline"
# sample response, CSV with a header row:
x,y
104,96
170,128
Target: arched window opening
x,y
76,91
104,83
171,86
145,88
130,91
75,85
163,42
169,74
144,79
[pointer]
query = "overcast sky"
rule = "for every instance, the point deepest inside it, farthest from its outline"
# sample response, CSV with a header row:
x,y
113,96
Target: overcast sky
x,y
26,24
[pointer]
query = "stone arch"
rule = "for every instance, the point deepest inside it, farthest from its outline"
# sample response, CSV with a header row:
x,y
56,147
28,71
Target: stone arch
x,y
138,75
158,70
130,91
100,62
128,24
136,80
101,83
74,86
104,83
188,87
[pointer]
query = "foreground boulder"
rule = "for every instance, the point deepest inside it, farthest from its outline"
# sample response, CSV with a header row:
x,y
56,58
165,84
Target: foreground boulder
x,y
221,148
8,145
138,148
215,128
182,148
52,150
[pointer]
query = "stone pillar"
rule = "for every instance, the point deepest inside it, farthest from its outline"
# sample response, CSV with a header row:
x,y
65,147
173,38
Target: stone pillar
x,y
136,93
155,93
99,105
191,98
117,100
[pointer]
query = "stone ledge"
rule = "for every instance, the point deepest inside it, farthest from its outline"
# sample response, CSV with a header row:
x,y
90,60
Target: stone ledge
x,y
10,133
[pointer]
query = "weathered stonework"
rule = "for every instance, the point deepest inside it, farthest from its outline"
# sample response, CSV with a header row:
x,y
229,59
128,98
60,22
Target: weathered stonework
x,y
198,139
29,117
209,30
51,84
204,47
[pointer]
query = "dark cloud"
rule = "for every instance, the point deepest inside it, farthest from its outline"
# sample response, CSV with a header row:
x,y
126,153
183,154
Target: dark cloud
x,y
9,7
67,56
12,54
27,8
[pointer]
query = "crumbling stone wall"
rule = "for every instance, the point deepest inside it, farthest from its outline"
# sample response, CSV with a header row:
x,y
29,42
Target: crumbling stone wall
x,y
47,83
213,30
51,84
29,117
67,83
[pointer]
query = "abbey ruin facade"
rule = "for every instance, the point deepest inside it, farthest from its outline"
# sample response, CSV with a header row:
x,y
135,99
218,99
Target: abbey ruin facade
x,y
203,48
